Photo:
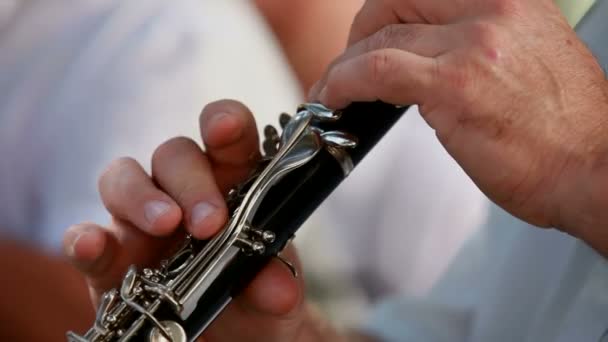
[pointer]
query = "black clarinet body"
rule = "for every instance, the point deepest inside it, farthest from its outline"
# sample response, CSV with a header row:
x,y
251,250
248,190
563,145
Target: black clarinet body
x,y
301,168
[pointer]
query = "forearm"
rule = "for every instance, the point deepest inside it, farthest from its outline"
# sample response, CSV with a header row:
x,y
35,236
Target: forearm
x,y
42,297
312,33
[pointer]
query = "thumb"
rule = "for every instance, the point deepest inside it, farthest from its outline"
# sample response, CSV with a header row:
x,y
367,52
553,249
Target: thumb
x,y
269,309
373,16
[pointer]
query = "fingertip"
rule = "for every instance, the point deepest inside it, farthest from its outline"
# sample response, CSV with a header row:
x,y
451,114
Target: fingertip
x,y
313,93
207,219
130,195
163,217
331,99
222,129
224,122
230,136
334,92
275,291
84,243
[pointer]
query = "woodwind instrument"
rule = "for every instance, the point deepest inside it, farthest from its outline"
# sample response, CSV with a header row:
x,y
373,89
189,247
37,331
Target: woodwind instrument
x,y
176,301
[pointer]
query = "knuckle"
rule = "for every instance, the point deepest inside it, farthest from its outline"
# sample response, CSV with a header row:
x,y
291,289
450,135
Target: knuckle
x,y
379,66
394,36
485,34
387,36
488,43
504,7
114,181
115,169
191,190
188,192
171,148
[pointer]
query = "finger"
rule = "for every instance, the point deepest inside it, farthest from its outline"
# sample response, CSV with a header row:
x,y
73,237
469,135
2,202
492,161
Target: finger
x,y
390,75
274,291
372,16
92,250
103,255
129,194
420,39
269,308
231,140
182,169
88,246
376,14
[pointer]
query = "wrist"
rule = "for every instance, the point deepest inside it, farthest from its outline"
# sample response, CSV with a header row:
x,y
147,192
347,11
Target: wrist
x,y
590,221
583,212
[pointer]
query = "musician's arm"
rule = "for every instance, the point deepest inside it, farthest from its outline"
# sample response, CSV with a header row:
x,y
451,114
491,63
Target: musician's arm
x,y
312,33
42,296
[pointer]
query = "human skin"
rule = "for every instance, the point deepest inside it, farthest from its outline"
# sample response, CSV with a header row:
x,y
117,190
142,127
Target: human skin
x,y
148,211
64,304
513,95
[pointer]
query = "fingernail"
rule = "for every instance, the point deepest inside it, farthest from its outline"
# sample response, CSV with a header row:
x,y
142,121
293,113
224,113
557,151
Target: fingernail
x,y
322,94
71,248
155,209
227,121
201,212
78,236
217,118
312,93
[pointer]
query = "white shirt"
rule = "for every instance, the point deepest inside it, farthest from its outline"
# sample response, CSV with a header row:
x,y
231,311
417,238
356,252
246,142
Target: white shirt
x,y
85,81
510,282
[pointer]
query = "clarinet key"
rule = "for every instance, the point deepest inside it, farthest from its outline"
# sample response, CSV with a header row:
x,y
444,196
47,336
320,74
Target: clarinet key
x,y
284,119
289,265
176,332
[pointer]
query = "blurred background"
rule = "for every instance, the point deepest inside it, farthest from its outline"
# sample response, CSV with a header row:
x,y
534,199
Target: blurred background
x,y
83,82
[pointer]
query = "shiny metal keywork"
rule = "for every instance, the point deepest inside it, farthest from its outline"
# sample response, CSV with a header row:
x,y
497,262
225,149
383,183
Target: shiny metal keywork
x,y
183,279
173,329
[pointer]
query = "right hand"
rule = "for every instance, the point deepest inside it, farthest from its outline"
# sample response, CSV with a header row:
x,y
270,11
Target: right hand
x,y
187,185
511,92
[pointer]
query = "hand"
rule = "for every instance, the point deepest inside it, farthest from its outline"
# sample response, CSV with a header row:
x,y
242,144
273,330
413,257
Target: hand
x,y
513,95
187,185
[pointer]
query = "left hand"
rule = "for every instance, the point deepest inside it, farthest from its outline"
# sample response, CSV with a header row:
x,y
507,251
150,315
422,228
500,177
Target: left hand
x,y
186,193
513,95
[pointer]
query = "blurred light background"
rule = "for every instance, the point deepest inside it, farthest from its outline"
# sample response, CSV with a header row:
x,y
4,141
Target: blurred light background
x,y
85,81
